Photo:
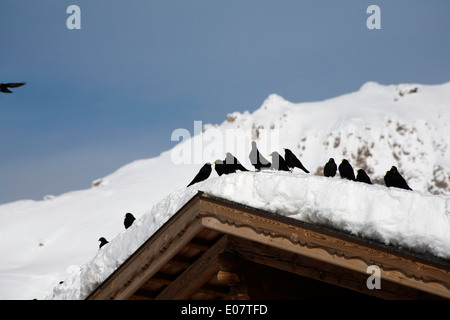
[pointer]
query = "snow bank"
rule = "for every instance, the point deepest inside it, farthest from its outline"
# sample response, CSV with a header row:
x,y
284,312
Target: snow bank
x,y
407,219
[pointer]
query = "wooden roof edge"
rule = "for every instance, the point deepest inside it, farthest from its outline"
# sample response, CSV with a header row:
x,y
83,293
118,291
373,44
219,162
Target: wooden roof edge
x,y
191,202
187,218
427,257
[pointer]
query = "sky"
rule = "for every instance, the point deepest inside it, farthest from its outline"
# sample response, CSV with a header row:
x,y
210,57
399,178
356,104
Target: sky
x,y
113,91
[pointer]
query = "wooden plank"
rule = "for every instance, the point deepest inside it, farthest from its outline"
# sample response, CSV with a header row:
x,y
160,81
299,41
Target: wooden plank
x,y
265,282
196,275
318,270
325,246
228,278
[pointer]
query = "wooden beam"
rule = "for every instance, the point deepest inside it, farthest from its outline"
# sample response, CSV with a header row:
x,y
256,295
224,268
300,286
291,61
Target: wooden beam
x,y
228,278
260,282
314,269
214,290
196,275
334,248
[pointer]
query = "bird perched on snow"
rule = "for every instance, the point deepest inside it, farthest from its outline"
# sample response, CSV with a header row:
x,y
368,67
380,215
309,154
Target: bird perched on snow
x,y
362,176
393,178
4,86
232,164
203,174
257,159
346,170
292,161
330,168
278,163
103,241
219,166
129,219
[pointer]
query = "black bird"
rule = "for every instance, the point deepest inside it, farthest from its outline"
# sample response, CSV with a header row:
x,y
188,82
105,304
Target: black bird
x,y
292,161
232,164
330,168
394,179
257,159
278,163
203,174
219,166
129,219
363,177
4,86
103,241
346,170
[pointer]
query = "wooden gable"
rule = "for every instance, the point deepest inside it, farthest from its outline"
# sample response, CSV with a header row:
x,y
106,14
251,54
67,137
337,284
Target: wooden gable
x,y
217,249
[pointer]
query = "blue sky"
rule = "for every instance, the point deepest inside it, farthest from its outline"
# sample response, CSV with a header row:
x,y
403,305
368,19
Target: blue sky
x,y
112,92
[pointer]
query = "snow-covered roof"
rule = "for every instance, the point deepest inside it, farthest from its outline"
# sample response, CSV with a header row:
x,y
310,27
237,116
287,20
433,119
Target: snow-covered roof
x,y
409,220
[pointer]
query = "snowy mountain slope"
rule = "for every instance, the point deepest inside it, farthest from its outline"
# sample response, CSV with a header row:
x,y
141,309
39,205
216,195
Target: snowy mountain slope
x,y
43,242
374,128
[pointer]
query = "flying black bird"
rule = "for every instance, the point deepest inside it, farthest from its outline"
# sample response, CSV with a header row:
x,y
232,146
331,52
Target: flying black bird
x,y
257,159
363,177
203,174
292,161
129,219
330,168
394,179
4,86
219,166
232,164
346,170
103,241
278,163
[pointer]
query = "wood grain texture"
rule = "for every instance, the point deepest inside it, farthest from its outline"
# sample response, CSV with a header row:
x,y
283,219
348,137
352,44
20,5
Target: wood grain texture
x,y
325,246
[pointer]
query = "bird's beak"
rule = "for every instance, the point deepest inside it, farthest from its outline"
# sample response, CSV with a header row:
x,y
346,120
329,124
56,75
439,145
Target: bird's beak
x,y
270,155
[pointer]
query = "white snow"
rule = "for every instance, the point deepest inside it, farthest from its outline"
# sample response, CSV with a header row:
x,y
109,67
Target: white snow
x,y
45,242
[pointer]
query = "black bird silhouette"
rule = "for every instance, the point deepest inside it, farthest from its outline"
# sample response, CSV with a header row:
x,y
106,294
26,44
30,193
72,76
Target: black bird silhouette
x,y
129,219
257,159
103,241
219,166
203,174
278,163
362,176
4,86
393,178
232,164
346,170
292,161
330,168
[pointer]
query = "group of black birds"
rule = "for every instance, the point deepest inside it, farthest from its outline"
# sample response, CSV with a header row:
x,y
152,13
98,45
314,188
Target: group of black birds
x,y
230,165
127,222
392,178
